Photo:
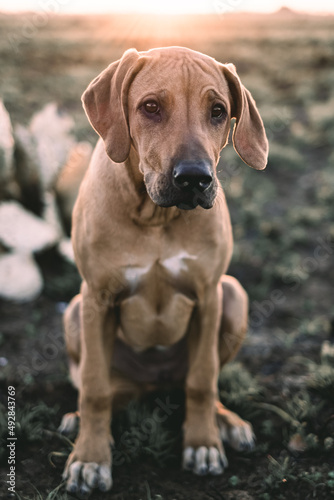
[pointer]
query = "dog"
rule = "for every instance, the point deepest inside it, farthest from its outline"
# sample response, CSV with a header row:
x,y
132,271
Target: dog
x,y
152,240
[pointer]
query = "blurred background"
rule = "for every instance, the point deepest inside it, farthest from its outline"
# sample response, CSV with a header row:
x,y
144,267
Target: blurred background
x,y
282,221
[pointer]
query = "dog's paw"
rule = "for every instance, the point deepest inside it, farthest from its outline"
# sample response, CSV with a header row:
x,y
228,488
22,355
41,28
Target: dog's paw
x,y
69,424
81,478
203,461
239,436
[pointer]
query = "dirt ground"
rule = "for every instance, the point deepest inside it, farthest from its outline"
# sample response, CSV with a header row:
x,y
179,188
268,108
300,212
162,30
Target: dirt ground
x,y
43,395
283,378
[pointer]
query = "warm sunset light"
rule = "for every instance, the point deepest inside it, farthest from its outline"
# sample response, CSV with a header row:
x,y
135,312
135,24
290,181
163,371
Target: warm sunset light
x,y
166,7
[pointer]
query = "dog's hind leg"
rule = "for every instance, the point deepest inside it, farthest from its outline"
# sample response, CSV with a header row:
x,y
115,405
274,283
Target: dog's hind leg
x,y
70,421
234,321
233,430
72,329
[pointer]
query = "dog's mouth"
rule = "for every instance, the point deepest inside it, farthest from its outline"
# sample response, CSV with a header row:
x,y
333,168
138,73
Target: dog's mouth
x,y
171,198
190,205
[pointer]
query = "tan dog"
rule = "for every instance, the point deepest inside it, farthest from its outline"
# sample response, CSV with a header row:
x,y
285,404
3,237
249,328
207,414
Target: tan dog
x,y
153,273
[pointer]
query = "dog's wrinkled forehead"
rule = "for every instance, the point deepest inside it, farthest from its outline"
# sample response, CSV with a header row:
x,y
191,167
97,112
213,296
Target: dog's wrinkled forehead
x,y
178,69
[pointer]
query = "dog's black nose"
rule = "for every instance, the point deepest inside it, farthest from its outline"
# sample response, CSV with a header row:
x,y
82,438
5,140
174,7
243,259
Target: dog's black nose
x,y
189,175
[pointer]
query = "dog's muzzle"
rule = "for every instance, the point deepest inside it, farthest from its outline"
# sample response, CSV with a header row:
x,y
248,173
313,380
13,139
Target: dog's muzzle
x,y
187,185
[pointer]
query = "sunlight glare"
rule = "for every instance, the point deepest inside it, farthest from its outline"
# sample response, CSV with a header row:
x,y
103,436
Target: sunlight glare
x,y
166,7
171,6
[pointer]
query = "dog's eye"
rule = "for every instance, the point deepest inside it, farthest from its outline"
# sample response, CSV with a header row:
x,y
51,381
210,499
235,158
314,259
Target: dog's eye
x,y
151,107
218,111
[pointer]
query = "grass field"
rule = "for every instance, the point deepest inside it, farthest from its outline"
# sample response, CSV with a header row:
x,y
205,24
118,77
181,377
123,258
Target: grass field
x,y
283,222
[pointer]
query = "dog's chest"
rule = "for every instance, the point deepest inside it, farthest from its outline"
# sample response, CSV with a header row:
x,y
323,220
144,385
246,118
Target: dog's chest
x,y
157,306
173,266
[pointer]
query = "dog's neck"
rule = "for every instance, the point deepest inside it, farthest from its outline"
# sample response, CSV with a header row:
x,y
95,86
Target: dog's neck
x,y
144,211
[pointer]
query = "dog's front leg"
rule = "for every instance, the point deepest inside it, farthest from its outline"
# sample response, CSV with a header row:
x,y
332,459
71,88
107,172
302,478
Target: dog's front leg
x,y
89,465
203,449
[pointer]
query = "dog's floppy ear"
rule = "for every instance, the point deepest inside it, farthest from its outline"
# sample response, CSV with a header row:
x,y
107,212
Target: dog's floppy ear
x,y
105,103
249,137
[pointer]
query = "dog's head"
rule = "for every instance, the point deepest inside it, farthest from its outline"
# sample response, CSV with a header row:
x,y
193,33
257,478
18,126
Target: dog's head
x,y
174,106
